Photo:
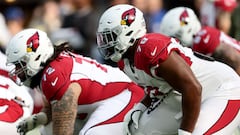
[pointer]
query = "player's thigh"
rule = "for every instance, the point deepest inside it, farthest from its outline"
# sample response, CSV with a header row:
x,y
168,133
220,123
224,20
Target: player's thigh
x,y
8,128
108,111
107,129
219,116
164,120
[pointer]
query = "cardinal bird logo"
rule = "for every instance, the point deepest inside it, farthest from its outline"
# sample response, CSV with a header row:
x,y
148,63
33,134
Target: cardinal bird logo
x,y
184,18
33,43
128,17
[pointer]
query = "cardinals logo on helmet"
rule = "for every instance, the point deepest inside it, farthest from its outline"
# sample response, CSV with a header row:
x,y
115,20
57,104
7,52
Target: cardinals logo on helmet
x,y
33,43
128,17
184,18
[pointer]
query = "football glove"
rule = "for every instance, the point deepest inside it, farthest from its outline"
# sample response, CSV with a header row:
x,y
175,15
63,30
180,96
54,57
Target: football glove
x,y
132,117
31,122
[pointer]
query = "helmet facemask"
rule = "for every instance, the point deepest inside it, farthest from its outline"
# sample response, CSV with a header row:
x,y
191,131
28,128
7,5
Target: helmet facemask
x,y
19,73
109,45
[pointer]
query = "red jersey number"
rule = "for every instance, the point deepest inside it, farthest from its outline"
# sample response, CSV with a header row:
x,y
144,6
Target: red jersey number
x,y
13,111
98,65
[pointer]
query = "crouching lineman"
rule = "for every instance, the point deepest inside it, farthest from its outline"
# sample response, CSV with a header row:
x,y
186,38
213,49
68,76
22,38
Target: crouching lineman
x,y
188,93
72,84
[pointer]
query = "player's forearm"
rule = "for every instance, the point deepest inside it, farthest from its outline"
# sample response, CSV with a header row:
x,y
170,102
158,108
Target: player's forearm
x,y
63,123
191,108
64,113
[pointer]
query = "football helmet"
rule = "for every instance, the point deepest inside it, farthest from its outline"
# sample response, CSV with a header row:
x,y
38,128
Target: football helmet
x,y
118,29
181,23
28,50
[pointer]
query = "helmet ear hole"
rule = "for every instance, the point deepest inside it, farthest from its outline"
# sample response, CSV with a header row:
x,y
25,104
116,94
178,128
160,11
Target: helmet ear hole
x,y
132,41
38,57
129,33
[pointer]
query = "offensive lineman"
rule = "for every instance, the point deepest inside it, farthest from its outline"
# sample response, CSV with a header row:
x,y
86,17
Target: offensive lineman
x,y
72,85
187,95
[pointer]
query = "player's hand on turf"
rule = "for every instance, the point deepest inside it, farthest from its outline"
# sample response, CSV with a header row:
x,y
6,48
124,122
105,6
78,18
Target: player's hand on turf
x,y
31,122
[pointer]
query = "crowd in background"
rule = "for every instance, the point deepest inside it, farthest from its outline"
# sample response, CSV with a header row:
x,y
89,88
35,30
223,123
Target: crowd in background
x,y
76,21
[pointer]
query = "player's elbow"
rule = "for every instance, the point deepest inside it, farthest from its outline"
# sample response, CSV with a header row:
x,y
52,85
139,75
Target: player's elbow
x,y
194,90
197,90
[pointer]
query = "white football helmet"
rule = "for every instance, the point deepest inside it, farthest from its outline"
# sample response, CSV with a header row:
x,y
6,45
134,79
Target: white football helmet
x,y
28,50
118,29
181,23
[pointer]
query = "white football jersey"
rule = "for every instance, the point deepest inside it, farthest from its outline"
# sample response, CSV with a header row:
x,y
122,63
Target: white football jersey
x,y
16,104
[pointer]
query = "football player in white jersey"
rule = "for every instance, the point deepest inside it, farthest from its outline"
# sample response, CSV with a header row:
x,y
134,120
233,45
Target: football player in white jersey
x,y
182,23
72,85
16,103
188,93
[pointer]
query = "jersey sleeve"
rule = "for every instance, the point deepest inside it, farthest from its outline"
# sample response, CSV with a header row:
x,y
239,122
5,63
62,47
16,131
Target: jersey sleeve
x,y
152,48
155,50
206,40
56,79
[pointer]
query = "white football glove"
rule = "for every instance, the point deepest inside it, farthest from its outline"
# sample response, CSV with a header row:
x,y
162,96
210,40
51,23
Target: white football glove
x,y
183,132
132,117
31,122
